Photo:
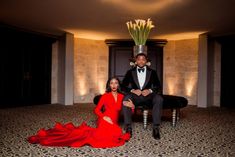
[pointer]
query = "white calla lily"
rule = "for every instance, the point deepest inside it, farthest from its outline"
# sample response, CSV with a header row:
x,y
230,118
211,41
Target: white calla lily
x,y
139,30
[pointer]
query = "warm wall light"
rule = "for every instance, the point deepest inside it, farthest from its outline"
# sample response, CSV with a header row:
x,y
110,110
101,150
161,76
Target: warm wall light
x,y
190,85
93,35
180,36
96,35
101,86
171,88
171,85
82,89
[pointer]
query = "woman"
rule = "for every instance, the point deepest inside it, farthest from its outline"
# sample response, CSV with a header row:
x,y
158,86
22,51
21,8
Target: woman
x,y
106,134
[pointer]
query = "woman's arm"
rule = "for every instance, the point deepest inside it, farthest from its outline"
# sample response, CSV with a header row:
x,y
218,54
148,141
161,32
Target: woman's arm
x,y
99,106
98,110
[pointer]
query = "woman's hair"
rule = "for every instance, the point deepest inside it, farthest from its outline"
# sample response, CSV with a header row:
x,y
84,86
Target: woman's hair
x,y
108,89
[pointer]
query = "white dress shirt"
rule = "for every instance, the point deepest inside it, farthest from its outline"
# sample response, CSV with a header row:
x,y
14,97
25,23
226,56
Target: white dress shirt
x,y
141,76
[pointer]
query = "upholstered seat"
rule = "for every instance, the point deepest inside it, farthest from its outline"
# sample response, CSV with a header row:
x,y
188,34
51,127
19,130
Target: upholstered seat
x,y
175,103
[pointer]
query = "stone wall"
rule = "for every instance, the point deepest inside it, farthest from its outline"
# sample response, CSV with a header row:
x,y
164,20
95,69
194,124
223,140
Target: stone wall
x,y
90,69
180,69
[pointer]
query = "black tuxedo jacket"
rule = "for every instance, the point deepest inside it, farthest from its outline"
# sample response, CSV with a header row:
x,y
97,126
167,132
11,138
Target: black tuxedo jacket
x,y
130,81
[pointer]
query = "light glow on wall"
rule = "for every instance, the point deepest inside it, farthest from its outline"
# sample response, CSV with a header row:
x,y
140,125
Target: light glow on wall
x,y
101,86
190,85
82,89
180,36
171,85
92,35
96,35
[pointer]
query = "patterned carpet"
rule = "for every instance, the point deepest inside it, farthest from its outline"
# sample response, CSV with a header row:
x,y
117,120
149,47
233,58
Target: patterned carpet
x,y
200,132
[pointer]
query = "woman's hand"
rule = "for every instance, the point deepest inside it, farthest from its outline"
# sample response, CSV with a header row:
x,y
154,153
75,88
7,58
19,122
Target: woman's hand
x,y
129,103
108,119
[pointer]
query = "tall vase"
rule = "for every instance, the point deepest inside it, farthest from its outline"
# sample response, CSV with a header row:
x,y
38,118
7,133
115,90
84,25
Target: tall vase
x,y
139,49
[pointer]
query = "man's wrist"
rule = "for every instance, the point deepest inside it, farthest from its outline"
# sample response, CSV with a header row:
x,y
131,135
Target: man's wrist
x,y
150,90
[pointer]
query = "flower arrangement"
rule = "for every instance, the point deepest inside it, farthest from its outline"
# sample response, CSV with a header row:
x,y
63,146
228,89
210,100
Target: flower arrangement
x,y
139,30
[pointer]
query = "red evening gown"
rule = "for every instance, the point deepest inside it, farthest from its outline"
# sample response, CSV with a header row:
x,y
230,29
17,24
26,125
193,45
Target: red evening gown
x,y
103,136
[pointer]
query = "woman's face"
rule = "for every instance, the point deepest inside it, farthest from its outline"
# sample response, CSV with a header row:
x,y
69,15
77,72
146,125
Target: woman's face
x,y
114,85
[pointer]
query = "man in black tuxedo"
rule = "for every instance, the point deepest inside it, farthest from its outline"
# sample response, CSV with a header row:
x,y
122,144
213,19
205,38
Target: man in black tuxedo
x,y
142,87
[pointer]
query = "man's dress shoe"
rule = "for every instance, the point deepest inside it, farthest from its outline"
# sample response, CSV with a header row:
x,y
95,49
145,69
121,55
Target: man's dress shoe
x,y
156,133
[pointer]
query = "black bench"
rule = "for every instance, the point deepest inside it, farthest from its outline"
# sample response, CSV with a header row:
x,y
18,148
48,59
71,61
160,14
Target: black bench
x,y
175,103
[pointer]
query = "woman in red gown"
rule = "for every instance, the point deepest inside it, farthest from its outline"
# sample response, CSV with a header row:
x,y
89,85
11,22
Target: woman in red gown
x,y
106,134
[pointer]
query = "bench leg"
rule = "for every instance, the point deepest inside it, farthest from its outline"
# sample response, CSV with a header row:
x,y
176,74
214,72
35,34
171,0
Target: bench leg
x,y
145,118
174,117
178,114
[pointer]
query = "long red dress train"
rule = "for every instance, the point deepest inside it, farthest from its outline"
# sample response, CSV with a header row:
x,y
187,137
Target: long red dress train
x,y
103,136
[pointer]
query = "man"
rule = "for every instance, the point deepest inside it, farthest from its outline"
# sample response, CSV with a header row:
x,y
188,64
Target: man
x,y
142,87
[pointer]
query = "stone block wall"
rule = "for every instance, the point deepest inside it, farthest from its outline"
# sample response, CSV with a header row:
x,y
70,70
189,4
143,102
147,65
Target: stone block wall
x,y
90,69
180,69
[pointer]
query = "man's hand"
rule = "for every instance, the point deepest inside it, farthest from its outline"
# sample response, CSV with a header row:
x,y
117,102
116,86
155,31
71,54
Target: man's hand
x,y
136,91
108,119
145,92
129,103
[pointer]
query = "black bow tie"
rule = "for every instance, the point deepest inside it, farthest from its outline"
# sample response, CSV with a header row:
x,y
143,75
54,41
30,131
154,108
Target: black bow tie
x,y
140,69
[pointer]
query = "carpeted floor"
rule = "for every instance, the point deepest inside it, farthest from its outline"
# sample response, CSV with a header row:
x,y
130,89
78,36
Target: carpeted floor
x,y
200,132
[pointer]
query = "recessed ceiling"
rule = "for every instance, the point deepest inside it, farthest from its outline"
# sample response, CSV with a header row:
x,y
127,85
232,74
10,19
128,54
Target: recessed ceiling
x,y
105,19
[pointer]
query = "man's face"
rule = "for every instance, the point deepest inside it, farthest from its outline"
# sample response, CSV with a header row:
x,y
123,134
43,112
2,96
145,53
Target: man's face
x,y
141,61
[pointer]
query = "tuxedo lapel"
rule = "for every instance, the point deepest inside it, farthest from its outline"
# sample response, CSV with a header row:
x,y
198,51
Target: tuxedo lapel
x,y
148,74
135,77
